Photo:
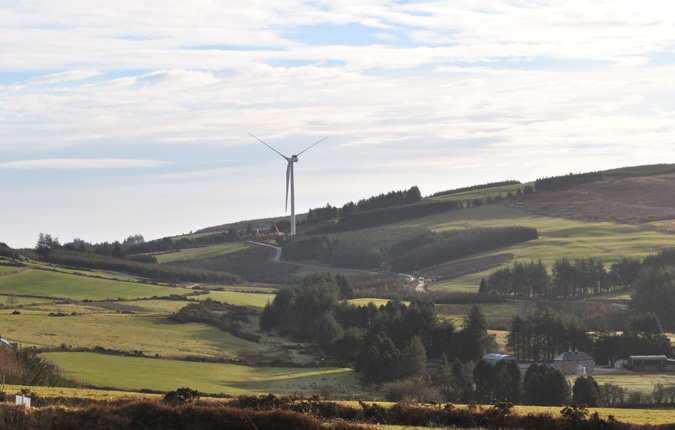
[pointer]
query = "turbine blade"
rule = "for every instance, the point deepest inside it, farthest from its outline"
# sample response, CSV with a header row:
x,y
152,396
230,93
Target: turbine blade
x,y
314,144
271,147
288,179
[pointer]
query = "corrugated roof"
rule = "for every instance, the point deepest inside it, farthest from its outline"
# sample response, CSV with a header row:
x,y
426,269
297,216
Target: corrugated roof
x,y
648,357
493,356
573,356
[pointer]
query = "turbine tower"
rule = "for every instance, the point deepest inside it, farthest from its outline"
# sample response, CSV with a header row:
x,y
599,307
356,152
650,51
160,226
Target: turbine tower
x,y
289,177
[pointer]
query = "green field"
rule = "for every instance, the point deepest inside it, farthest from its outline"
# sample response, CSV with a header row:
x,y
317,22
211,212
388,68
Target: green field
x,y
141,325
202,252
4,270
558,238
134,373
13,300
644,382
240,298
60,285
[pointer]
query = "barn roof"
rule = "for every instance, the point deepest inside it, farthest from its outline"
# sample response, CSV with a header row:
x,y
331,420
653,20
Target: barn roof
x,y
497,357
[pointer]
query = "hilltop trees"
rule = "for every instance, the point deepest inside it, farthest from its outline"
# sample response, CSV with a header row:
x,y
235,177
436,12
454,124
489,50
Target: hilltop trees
x,y
564,181
46,244
391,199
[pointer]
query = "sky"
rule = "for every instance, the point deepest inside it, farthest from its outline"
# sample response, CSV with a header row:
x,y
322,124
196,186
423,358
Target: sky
x,y
133,117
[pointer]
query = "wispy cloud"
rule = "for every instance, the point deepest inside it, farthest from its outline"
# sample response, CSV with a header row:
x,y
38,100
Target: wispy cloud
x,y
437,93
71,75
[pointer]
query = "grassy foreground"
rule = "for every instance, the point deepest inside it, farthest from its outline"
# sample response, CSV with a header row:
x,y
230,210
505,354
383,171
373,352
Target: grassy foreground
x,y
635,416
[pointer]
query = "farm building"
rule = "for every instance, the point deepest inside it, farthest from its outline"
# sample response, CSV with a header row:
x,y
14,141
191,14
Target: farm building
x,y
495,358
650,363
574,363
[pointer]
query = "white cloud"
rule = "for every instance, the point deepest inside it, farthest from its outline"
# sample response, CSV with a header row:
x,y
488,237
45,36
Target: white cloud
x,y
438,94
71,75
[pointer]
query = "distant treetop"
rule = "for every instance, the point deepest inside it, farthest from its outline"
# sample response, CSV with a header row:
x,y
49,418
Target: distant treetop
x,y
476,187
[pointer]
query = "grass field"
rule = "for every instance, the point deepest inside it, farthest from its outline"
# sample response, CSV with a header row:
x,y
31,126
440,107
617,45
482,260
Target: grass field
x,y
202,252
4,270
13,300
558,238
137,373
240,298
61,285
644,382
141,325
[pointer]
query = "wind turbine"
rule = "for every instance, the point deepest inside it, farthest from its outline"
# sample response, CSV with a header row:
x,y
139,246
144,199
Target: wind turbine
x,y
289,177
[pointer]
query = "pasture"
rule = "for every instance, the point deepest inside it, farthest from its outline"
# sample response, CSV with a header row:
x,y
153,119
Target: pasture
x,y
201,252
643,382
6,270
558,238
60,286
256,298
140,325
136,373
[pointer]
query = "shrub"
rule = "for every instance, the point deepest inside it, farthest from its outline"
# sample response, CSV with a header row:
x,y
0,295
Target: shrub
x,y
182,396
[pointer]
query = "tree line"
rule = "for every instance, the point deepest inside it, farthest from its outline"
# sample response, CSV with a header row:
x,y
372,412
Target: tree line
x,y
543,335
391,199
579,277
565,181
653,280
476,187
382,217
655,289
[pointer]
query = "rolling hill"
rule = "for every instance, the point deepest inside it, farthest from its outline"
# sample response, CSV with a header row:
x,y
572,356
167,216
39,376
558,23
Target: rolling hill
x,y
66,304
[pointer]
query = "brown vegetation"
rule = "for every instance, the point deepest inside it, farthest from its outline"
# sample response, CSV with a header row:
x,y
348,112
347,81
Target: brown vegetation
x,y
467,267
289,412
641,200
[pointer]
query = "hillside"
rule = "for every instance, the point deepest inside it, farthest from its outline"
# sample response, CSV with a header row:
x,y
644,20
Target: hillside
x,y
198,307
648,200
